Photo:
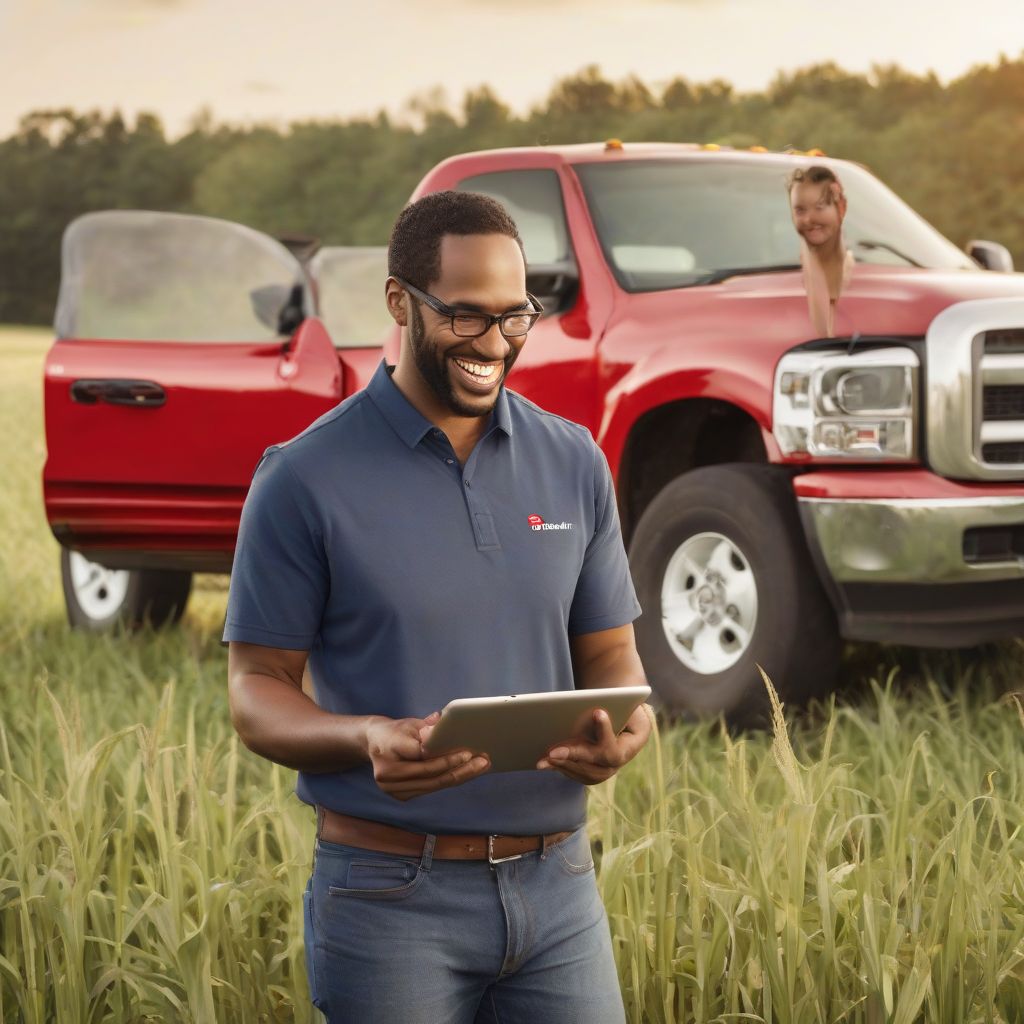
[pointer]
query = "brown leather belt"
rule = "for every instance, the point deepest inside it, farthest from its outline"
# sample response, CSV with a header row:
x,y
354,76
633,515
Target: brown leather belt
x,y
373,835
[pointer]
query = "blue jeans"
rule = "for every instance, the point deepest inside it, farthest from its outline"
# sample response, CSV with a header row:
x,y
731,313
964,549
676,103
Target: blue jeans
x,y
413,940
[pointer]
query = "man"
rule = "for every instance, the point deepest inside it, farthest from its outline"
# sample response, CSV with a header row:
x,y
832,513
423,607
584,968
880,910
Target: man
x,y
818,206
391,542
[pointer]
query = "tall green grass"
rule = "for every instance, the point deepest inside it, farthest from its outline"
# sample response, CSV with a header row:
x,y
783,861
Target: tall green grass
x,y
863,864
870,870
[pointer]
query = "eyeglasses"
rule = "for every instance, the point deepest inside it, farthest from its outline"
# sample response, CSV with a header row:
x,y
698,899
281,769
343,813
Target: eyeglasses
x,y
514,324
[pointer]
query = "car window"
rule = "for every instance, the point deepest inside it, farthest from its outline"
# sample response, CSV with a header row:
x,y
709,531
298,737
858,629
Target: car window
x,y
141,275
350,290
672,223
534,199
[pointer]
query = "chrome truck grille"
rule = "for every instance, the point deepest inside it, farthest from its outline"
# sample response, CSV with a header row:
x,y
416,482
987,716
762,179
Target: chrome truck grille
x,y
975,402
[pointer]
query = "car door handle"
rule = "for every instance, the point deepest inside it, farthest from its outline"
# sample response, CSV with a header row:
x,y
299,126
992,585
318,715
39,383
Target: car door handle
x,y
118,392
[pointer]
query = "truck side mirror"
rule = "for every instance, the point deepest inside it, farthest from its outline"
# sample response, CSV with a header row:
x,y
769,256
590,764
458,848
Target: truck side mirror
x,y
278,306
991,255
302,247
555,284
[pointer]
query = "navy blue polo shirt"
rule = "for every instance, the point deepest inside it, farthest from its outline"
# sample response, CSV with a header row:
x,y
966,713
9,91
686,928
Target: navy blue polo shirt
x,y
413,580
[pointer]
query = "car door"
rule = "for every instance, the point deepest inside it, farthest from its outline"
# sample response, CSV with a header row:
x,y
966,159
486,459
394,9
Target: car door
x,y
185,346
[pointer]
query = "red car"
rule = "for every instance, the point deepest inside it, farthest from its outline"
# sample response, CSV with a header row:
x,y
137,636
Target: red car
x,y
777,491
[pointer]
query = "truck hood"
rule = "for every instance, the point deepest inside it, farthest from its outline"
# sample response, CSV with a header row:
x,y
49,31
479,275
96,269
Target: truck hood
x,y
877,300
748,322
723,341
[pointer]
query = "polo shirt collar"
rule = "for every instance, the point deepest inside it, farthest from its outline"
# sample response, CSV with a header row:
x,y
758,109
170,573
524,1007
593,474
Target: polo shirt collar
x,y
411,425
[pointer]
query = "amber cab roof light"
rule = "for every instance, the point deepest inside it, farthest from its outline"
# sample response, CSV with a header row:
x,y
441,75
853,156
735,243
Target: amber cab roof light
x,y
616,145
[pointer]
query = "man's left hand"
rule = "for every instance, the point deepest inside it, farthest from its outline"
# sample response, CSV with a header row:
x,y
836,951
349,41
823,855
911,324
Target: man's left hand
x,y
594,760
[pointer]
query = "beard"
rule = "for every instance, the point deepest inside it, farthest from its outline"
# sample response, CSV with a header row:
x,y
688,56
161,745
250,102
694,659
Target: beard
x,y
432,365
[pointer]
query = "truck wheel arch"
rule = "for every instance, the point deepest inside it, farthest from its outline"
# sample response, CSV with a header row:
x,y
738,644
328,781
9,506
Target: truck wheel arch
x,y
675,437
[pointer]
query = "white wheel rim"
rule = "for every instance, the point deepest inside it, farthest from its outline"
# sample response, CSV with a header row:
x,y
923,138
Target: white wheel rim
x,y
708,603
99,591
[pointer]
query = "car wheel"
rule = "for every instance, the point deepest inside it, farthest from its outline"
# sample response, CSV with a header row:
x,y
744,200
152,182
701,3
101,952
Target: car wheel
x,y
726,583
98,598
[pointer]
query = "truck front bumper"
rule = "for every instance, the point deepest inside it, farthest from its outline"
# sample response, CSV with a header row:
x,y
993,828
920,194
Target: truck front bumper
x,y
939,569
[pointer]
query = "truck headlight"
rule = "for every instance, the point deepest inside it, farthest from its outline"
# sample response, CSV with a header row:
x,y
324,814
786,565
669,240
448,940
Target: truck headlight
x,y
832,405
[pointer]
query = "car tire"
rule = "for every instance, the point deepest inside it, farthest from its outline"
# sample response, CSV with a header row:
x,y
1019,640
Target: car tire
x,y
726,583
99,599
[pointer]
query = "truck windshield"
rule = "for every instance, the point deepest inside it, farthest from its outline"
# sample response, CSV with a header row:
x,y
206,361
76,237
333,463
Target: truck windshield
x,y
676,223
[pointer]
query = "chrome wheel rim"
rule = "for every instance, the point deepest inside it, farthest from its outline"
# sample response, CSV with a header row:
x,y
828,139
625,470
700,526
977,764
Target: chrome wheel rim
x,y
708,603
99,591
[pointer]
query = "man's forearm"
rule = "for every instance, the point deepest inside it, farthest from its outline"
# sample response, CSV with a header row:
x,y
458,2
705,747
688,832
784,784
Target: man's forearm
x,y
279,722
606,658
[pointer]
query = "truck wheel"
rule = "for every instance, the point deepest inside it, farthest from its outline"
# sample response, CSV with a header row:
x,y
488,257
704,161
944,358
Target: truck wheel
x,y
98,598
726,583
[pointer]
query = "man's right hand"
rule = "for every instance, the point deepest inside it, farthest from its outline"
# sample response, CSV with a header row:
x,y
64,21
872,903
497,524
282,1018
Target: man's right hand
x,y
395,749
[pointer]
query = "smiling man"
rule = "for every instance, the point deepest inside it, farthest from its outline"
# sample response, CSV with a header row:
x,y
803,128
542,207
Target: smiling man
x,y
394,545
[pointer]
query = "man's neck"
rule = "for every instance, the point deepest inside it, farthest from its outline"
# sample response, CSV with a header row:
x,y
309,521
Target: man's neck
x,y
462,431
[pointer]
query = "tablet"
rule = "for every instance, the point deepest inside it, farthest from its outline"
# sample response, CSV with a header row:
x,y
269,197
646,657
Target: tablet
x,y
518,730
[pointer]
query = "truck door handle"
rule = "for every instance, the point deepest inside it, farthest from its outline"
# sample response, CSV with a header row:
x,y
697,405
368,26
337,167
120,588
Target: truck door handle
x,y
118,392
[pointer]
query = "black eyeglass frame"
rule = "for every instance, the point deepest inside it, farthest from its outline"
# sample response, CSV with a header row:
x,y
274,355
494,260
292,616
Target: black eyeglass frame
x,y
451,312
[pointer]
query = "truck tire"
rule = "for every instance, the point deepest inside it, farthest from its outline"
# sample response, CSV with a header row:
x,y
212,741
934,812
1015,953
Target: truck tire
x,y
98,598
726,584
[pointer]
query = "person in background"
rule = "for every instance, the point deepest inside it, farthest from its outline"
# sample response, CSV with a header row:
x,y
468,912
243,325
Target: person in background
x,y
817,205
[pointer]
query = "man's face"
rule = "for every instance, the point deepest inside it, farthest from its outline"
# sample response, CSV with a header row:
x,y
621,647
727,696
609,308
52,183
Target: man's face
x,y
479,273
817,212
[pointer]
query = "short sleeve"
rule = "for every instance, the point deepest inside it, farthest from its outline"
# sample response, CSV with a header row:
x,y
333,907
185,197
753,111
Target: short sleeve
x,y
604,596
280,578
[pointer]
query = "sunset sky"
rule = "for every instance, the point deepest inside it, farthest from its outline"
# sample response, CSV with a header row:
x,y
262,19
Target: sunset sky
x,y
256,59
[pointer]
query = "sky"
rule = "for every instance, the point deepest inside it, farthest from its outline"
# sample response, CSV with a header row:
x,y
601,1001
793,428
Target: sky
x,y
264,60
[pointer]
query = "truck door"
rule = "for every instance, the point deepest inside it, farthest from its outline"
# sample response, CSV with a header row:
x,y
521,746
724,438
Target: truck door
x,y
185,346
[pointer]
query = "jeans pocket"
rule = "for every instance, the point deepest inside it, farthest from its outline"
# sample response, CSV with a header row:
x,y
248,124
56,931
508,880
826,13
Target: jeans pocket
x,y
378,879
573,853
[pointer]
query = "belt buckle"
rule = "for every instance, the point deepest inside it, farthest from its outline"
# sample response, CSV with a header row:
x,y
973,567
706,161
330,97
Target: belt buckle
x,y
491,859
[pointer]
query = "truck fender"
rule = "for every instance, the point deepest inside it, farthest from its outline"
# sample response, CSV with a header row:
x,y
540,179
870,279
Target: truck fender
x,y
646,387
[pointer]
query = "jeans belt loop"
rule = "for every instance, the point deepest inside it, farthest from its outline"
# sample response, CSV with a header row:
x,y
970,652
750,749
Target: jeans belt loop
x,y
491,859
427,857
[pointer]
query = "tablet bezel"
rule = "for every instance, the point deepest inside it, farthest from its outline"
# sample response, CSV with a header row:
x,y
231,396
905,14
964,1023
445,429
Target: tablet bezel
x,y
517,730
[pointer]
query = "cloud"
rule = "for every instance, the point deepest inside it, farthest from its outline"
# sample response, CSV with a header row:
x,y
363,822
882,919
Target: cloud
x,y
121,14
498,5
263,88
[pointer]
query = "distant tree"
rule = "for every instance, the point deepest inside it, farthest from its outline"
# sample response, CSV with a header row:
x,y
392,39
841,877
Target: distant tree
x,y
952,151
827,83
482,111
678,95
585,94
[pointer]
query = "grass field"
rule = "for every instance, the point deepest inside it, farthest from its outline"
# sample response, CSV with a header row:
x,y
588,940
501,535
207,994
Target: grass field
x,y
866,867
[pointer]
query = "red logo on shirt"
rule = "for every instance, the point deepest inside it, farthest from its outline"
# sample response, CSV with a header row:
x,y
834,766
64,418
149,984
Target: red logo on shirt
x,y
536,523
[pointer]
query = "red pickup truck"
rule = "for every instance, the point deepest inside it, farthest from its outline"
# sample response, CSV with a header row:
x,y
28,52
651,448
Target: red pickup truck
x,y
777,491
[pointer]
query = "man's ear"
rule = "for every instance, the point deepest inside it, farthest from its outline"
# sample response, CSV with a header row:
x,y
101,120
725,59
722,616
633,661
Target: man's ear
x,y
394,296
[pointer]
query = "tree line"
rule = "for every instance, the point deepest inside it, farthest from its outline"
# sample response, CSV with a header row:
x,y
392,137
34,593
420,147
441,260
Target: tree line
x,y
952,151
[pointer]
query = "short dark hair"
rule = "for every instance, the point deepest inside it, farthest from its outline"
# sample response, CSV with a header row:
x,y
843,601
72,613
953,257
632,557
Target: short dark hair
x,y
414,252
816,174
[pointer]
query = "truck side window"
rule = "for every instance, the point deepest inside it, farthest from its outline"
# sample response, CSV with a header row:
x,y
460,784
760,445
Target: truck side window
x,y
534,199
